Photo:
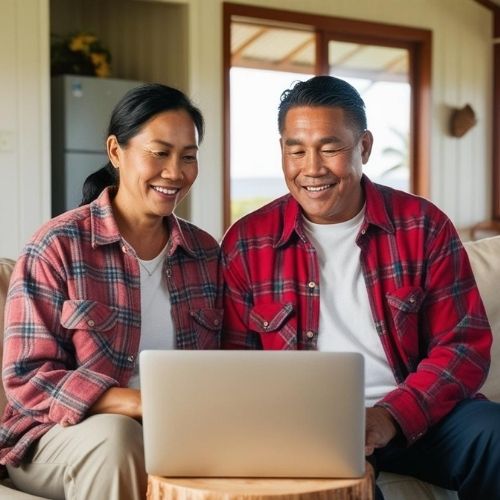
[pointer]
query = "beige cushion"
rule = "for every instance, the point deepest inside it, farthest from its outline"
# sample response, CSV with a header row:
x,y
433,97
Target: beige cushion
x,y
397,487
6,266
484,256
8,492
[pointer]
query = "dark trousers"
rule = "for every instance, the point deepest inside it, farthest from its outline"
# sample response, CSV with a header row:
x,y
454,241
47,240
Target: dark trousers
x,y
462,453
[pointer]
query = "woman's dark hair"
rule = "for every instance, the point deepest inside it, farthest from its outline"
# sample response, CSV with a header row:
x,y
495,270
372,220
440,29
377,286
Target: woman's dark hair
x,y
324,91
137,106
96,182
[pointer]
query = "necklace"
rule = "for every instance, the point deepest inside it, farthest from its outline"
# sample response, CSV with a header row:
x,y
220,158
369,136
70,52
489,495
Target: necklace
x,y
150,271
150,266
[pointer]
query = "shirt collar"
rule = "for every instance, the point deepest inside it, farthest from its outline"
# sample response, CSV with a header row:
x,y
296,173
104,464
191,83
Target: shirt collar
x,y
292,223
179,237
376,206
104,229
376,213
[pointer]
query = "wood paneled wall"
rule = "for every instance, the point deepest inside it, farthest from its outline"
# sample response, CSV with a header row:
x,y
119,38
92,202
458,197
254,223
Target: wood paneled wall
x,y
24,122
460,170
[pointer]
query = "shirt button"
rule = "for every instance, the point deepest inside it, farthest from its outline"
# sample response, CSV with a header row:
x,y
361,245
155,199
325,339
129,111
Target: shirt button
x,y
363,231
91,322
412,300
309,334
216,322
124,249
311,284
131,358
169,272
265,324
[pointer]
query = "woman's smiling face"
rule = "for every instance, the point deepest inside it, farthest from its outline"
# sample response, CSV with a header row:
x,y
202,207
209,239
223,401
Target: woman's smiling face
x,y
158,166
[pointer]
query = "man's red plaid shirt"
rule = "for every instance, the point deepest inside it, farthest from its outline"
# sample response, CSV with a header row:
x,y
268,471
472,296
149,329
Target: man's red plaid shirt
x,y
423,296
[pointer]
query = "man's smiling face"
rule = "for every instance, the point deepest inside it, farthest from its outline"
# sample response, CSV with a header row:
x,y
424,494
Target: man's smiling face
x,y
322,157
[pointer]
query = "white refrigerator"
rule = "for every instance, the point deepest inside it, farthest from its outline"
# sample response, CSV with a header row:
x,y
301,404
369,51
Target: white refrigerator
x,y
81,107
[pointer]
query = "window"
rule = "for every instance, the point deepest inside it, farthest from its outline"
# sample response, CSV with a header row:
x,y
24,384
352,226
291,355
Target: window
x,y
380,75
257,77
266,50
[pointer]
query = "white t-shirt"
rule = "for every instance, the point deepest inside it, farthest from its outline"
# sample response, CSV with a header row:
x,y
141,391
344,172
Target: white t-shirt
x,y
345,318
157,329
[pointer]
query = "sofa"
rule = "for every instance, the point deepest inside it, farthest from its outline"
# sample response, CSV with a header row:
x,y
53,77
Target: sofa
x,y
484,256
7,490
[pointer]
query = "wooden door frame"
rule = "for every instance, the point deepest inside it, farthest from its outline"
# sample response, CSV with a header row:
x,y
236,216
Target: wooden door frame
x,y
418,41
495,167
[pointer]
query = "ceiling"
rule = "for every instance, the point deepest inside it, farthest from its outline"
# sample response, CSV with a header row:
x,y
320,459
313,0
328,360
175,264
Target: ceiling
x,y
261,46
255,44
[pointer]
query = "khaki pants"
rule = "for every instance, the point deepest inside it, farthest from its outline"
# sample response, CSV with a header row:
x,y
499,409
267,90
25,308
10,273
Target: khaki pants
x,y
101,458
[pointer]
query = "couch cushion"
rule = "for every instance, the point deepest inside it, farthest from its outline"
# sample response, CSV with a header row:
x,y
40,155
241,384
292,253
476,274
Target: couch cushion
x,y
8,492
6,266
484,256
397,487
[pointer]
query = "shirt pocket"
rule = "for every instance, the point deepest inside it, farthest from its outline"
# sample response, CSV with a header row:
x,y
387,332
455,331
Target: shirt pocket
x,y
404,305
88,315
276,325
208,324
93,329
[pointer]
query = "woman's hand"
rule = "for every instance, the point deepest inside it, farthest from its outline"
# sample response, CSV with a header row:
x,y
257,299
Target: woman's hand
x,y
120,400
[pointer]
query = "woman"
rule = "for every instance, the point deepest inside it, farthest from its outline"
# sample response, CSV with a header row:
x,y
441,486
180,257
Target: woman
x,y
94,287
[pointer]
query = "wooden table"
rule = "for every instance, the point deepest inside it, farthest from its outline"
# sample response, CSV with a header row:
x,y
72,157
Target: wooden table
x,y
162,488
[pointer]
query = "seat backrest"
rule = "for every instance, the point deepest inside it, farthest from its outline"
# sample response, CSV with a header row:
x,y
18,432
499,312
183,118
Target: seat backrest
x,y
484,256
6,267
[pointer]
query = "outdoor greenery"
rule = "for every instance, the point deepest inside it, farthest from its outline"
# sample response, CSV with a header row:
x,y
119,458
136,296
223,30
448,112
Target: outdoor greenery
x,y
243,206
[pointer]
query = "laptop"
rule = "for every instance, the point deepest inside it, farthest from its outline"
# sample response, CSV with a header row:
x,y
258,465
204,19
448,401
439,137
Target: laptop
x,y
253,413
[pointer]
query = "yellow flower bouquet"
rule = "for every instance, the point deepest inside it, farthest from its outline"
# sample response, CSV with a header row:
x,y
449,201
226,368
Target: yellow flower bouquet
x,y
79,54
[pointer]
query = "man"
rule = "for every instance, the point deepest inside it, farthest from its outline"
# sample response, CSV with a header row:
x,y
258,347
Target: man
x,y
343,264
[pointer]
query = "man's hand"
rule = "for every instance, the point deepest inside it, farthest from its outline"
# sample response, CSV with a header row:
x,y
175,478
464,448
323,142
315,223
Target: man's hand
x,y
380,429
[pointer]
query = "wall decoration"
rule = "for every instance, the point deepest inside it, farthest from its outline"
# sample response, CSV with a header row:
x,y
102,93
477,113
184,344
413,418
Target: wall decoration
x,y
462,120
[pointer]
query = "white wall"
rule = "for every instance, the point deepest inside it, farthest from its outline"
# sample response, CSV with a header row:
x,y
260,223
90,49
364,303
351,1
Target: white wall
x,y
461,73
24,121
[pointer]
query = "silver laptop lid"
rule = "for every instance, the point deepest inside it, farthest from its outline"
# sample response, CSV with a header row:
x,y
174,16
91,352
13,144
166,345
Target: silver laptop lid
x,y
253,413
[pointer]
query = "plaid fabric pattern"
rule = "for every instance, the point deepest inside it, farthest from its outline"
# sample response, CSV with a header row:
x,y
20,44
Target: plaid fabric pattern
x,y
423,297
73,317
